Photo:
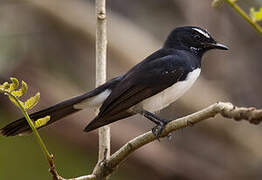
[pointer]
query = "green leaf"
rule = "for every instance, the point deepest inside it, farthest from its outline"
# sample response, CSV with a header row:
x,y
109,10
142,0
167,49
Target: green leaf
x,y
42,121
17,93
259,15
14,85
1,88
31,102
24,87
21,91
6,86
256,15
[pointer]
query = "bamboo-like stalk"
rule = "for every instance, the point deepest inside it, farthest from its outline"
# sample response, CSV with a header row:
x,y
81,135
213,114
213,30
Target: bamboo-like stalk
x,y
101,46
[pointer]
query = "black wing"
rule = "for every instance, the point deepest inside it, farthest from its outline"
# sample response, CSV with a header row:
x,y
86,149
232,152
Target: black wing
x,y
146,79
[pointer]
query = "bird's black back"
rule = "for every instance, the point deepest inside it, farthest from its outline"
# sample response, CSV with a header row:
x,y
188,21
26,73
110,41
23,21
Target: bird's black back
x,y
154,74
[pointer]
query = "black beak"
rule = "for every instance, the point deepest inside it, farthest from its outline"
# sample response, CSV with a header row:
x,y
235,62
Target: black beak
x,y
217,46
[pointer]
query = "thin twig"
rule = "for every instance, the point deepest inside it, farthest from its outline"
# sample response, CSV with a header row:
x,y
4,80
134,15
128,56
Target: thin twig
x,y
87,177
101,46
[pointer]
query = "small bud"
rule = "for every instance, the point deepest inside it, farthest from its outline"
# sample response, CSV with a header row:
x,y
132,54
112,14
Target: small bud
x,y
24,87
6,86
42,121
14,85
217,3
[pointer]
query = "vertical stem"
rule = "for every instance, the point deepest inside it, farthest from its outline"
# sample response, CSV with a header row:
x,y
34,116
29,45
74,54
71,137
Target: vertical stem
x,y
49,157
101,43
32,126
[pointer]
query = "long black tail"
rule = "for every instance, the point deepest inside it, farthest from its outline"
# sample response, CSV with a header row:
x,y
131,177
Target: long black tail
x,y
56,112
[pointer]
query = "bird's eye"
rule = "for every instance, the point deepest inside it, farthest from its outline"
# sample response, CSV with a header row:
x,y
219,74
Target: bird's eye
x,y
196,36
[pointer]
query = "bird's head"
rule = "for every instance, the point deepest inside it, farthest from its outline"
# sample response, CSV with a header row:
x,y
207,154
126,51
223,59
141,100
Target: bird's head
x,y
192,38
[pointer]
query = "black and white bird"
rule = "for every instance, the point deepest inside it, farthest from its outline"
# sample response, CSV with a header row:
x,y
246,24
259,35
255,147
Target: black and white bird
x,y
153,84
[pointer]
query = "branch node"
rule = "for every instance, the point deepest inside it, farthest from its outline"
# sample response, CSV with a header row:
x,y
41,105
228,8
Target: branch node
x,y
101,15
189,123
129,146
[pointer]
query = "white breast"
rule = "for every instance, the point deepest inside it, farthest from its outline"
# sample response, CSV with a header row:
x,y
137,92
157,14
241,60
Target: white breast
x,y
169,95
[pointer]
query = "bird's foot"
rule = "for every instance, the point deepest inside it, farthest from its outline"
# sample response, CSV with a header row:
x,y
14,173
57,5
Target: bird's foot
x,y
169,136
158,129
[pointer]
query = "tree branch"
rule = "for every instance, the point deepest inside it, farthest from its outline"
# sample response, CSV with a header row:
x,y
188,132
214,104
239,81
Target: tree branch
x,y
87,177
227,110
101,45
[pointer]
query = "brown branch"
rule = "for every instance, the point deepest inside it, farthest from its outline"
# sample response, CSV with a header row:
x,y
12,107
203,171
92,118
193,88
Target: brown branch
x,y
227,110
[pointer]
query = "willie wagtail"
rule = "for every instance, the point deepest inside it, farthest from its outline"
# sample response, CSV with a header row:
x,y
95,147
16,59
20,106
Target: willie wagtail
x,y
149,86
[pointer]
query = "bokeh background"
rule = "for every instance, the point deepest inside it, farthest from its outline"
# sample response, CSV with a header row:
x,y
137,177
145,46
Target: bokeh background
x,y
51,45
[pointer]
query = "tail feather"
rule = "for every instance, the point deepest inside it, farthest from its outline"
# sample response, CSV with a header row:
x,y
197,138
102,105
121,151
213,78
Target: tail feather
x,y
15,128
57,111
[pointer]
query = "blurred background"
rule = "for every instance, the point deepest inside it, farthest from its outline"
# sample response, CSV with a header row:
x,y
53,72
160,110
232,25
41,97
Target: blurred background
x,y
51,45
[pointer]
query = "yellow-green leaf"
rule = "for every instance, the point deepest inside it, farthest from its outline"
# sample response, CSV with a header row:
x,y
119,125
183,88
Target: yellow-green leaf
x,y
17,93
42,121
2,89
24,87
256,15
31,102
21,91
259,15
14,85
6,86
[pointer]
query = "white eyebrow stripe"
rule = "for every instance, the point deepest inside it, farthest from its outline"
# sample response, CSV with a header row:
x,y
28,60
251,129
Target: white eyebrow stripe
x,y
201,32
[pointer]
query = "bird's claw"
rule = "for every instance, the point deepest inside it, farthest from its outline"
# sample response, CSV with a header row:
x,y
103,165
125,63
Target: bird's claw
x,y
169,136
158,129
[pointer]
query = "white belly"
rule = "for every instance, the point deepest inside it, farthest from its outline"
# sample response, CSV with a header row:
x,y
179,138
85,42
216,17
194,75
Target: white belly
x,y
169,95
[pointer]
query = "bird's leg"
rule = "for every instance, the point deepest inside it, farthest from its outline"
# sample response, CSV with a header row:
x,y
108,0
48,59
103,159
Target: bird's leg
x,y
160,122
